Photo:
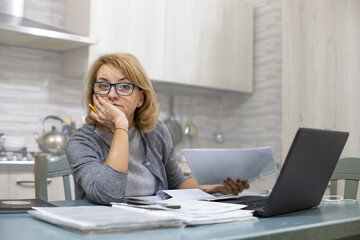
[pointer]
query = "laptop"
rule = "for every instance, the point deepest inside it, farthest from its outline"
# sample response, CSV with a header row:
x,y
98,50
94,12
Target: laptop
x,y
304,175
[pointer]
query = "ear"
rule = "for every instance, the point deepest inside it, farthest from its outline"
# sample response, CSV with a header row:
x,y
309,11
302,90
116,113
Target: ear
x,y
141,98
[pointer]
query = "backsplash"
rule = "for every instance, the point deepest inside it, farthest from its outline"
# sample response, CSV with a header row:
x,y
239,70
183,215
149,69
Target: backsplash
x,y
32,87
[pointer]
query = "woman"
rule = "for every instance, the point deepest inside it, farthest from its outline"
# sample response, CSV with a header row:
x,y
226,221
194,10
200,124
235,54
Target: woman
x,y
124,150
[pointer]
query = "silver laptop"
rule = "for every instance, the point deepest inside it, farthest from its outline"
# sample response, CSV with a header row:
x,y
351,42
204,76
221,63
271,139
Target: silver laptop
x,y
304,175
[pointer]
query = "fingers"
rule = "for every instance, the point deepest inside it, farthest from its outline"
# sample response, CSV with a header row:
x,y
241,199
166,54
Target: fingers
x,y
107,114
232,186
226,188
246,184
236,187
102,107
94,116
99,103
101,115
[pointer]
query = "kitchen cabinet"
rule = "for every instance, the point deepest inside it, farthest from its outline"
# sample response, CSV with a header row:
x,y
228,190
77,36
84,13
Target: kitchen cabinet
x,y
71,38
207,43
136,27
16,29
20,185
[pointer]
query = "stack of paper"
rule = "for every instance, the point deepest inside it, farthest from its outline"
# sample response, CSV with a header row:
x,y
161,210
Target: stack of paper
x,y
103,218
191,209
182,208
193,212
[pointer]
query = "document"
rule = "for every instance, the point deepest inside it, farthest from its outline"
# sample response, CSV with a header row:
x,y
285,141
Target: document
x,y
184,194
213,166
193,212
98,219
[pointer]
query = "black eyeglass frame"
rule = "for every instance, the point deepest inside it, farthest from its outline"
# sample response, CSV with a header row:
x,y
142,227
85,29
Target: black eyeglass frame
x,y
115,84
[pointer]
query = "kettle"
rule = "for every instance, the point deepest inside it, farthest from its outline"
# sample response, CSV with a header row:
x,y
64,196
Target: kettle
x,y
53,141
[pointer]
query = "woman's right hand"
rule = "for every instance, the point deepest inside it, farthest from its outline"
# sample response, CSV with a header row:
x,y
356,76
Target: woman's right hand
x,y
108,115
229,187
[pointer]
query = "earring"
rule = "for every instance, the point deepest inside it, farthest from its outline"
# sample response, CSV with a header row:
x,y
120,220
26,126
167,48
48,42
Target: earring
x,y
139,105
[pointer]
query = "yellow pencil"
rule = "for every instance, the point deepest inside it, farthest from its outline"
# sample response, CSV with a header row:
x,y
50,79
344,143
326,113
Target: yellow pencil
x,y
92,107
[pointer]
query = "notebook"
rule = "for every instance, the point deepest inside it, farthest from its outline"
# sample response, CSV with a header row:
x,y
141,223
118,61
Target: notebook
x,y
21,205
304,175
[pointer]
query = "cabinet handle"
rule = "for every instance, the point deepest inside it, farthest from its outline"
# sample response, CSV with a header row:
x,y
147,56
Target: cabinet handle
x,y
28,183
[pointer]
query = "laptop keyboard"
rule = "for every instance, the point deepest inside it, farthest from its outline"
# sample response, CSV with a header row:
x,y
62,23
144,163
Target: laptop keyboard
x,y
252,202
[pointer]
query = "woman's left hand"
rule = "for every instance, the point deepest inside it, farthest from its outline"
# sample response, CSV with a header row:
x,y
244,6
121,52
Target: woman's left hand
x,y
229,187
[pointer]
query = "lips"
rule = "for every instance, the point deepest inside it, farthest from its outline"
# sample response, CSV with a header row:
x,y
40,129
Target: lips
x,y
119,107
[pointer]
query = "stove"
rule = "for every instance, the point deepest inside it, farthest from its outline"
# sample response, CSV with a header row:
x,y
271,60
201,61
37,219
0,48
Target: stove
x,y
17,161
19,155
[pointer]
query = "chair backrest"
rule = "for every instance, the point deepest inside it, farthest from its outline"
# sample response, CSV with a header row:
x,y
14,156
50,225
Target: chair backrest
x,y
45,169
349,170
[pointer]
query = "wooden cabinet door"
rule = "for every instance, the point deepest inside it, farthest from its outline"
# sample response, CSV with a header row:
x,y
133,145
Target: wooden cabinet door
x,y
21,185
135,27
209,43
206,43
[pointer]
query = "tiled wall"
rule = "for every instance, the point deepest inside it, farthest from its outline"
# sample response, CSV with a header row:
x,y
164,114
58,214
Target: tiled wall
x,y
32,87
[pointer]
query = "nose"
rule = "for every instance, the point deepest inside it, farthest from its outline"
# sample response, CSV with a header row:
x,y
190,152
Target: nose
x,y
112,93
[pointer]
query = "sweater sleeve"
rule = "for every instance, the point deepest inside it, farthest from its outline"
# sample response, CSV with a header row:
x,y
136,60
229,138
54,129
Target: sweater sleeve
x,y
101,183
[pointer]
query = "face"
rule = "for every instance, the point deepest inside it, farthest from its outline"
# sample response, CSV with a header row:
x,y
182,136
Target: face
x,y
127,104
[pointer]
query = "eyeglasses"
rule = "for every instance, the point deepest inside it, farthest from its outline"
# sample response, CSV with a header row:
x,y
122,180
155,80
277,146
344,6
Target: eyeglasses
x,y
122,88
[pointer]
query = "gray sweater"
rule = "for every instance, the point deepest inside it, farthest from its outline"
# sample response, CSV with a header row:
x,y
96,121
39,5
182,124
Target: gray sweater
x,y
99,183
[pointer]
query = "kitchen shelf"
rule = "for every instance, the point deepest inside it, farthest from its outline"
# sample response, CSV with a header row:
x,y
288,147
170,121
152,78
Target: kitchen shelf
x,y
42,38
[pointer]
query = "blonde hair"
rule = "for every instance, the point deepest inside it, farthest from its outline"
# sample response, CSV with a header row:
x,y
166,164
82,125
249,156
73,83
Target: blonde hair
x,y
146,116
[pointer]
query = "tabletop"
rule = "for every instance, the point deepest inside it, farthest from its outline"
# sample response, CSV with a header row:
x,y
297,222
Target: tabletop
x,y
327,221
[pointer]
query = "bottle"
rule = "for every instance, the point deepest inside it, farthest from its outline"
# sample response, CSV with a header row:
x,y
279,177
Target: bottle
x,y
66,127
72,127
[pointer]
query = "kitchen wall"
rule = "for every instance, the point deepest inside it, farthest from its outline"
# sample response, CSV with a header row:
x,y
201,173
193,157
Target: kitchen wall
x,y
32,87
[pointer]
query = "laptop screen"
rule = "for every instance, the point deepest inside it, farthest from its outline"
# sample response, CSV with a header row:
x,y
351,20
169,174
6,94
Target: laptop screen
x,y
306,171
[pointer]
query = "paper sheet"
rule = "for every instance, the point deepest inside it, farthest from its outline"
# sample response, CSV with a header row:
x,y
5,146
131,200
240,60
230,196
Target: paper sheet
x,y
178,194
213,166
185,194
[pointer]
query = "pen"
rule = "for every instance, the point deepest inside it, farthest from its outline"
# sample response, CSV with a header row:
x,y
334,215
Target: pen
x,y
92,107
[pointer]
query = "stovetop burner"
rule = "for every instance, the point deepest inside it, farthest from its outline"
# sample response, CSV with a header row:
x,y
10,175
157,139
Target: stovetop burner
x,y
19,155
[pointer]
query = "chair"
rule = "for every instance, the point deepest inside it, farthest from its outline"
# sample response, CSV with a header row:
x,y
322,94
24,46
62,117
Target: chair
x,y
50,169
349,170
